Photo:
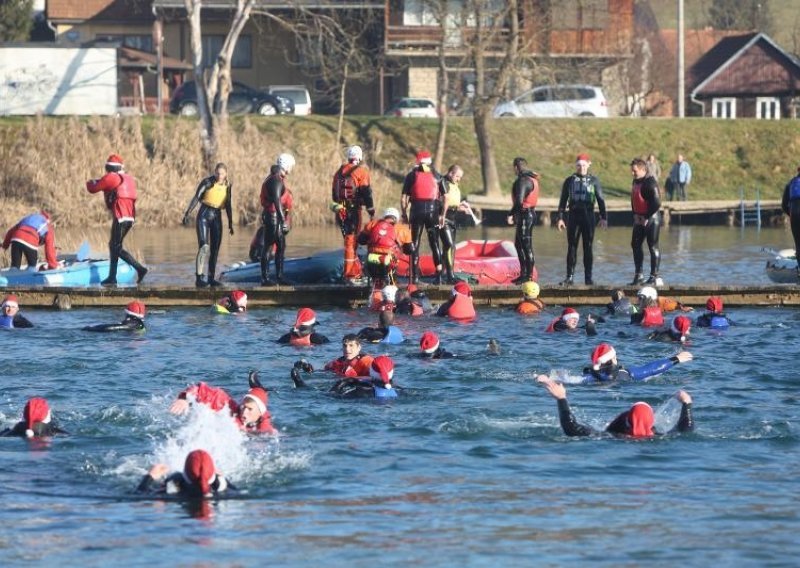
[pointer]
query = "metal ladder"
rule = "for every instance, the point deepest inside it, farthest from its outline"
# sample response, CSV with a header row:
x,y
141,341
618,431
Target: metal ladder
x,y
746,216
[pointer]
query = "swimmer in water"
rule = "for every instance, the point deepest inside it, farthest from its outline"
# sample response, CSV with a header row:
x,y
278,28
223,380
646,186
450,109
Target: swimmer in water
x,y
430,347
199,479
493,347
377,384
37,421
235,302
530,304
605,367
677,332
10,318
569,320
714,317
413,301
352,363
460,305
303,334
637,422
620,305
386,332
134,320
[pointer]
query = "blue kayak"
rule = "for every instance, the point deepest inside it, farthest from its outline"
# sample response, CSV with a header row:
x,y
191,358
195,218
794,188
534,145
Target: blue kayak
x,y
321,268
75,273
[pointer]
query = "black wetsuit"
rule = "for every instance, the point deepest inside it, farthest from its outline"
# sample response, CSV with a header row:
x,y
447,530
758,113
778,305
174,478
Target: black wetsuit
x,y
619,426
373,334
275,227
620,307
648,231
581,192
424,215
447,233
792,208
176,484
119,229
209,227
18,321
418,298
707,320
130,323
40,429
589,326
666,335
524,219
440,353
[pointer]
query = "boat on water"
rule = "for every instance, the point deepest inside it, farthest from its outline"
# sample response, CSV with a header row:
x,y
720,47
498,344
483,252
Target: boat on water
x,y
74,273
321,268
782,269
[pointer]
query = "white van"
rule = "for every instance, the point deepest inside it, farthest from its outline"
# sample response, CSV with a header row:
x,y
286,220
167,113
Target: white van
x,y
298,94
556,101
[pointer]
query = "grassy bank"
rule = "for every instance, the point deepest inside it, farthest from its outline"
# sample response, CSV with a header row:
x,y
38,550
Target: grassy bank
x,y
46,161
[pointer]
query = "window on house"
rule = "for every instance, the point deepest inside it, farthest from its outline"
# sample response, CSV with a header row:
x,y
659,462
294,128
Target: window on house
x,y
768,108
140,42
242,54
419,13
580,15
723,108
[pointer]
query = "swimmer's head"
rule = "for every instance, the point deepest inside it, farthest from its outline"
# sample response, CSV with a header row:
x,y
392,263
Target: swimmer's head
x,y
681,326
253,406
386,318
136,309
570,317
714,304
382,369
641,420
429,342
604,354
239,299
530,290
36,411
306,317
493,346
10,305
199,471
351,346
617,295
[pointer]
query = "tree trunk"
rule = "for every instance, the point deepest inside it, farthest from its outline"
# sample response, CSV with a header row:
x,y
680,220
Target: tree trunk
x,y
342,93
481,119
441,103
223,83
208,137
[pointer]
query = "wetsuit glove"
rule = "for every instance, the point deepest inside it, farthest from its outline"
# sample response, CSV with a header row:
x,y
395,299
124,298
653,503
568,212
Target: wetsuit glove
x,y
336,207
285,228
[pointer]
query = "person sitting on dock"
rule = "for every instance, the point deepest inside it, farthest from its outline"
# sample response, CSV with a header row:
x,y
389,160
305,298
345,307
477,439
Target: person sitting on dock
x,y
37,421
10,318
649,313
133,321
460,305
386,332
637,422
605,367
235,302
568,321
530,303
27,236
620,304
430,347
714,317
352,363
199,479
302,333
678,331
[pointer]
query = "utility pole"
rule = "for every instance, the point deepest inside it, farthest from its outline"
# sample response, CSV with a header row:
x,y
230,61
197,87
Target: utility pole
x,y
681,54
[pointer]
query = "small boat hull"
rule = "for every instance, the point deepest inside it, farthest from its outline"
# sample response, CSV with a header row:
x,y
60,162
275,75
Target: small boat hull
x,y
321,268
783,268
75,274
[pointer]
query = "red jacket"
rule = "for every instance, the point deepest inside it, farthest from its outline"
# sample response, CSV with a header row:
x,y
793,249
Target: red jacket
x,y
217,399
120,194
30,236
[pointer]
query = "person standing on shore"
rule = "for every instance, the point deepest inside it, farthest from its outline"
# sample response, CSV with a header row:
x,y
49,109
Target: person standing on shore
x,y
274,195
524,197
27,236
680,175
645,203
421,192
653,167
581,190
213,193
351,190
791,206
119,191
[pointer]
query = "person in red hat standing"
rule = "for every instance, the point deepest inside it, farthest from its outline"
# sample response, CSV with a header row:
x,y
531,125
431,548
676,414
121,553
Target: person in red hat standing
x,y
524,197
714,317
678,331
423,194
199,478
569,320
605,367
37,421
581,190
27,236
637,422
10,317
646,206
134,320
302,333
460,305
119,190
234,302
431,348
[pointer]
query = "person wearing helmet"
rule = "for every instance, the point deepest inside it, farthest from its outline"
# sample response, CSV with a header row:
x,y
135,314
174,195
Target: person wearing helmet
x,y
213,193
384,240
274,218
235,302
10,318
605,368
27,236
452,204
649,313
636,422
530,303
133,321
119,190
524,197
386,332
581,190
351,191
646,205
422,193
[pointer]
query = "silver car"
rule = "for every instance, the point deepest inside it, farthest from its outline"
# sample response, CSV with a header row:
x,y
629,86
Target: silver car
x,y
556,101
413,107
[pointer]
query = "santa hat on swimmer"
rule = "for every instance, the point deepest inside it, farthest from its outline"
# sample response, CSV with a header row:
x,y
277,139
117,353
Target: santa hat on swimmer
x,y
114,163
602,355
136,309
306,317
239,299
583,160
429,342
570,314
259,396
10,301
382,369
36,410
641,420
714,305
199,471
461,287
681,326
424,158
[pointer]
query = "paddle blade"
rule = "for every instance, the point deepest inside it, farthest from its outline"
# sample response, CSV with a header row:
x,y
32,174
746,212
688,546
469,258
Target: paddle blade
x,y
84,252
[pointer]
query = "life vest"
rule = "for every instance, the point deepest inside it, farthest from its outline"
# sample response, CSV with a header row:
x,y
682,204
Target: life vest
x,y
416,309
215,195
344,186
37,222
355,367
300,340
393,336
652,317
638,202
528,307
453,196
581,190
6,322
268,206
127,187
382,239
461,308
794,189
719,322
262,426
532,197
424,187
286,199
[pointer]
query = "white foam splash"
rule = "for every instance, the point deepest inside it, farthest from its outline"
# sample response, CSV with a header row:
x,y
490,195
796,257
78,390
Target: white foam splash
x,y
667,415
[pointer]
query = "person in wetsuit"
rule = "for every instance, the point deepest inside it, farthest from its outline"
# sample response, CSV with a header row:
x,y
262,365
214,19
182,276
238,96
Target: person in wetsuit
x,y
677,332
377,383
413,301
37,421
645,203
790,204
524,197
303,332
134,320
352,363
119,191
530,303
451,195
431,348
199,479
421,191
213,193
581,190
714,317
460,306
10,318
605,367
386,332
637,422
27,236
273,216
620,304
568,321
234,302
384,239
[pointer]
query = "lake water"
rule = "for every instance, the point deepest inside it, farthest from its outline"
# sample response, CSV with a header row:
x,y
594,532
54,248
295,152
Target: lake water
x,y
468,467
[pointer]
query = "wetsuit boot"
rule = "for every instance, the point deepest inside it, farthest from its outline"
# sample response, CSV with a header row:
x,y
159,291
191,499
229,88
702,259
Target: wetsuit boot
x,y
200,281
637,279
279,272
265,280
112,270
587,279
568,281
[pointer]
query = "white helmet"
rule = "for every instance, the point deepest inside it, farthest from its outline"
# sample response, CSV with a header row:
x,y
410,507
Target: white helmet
x,y
648,292
355,154
285,162
389,293
391,212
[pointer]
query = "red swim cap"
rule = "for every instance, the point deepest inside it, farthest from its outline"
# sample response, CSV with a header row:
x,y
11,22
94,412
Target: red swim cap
x,y
641,420
199,470
714,304
36,410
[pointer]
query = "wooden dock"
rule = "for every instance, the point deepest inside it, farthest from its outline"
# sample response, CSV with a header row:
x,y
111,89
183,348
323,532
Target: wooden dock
x,y
319,296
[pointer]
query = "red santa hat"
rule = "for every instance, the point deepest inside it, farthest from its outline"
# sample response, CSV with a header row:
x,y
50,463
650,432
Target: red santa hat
x,y
114,160
36,410
461,287
412,288
305,317
601,355
583,158
240,299
641,420
681,326
10,301
429,342
424,157
714,304
259,396
136,309
382,368
199,470
570,313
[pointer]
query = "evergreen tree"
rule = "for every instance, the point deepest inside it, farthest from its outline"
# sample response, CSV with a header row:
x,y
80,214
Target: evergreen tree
x,y
16,20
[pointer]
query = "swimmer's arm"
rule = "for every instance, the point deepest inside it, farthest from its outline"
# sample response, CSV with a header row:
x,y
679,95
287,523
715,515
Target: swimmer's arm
x,y
686,421
659,366
568,421
318,339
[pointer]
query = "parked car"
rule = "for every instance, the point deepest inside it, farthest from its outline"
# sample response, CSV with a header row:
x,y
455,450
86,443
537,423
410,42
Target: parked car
x,y
298,94
556,101
242,100
411,107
